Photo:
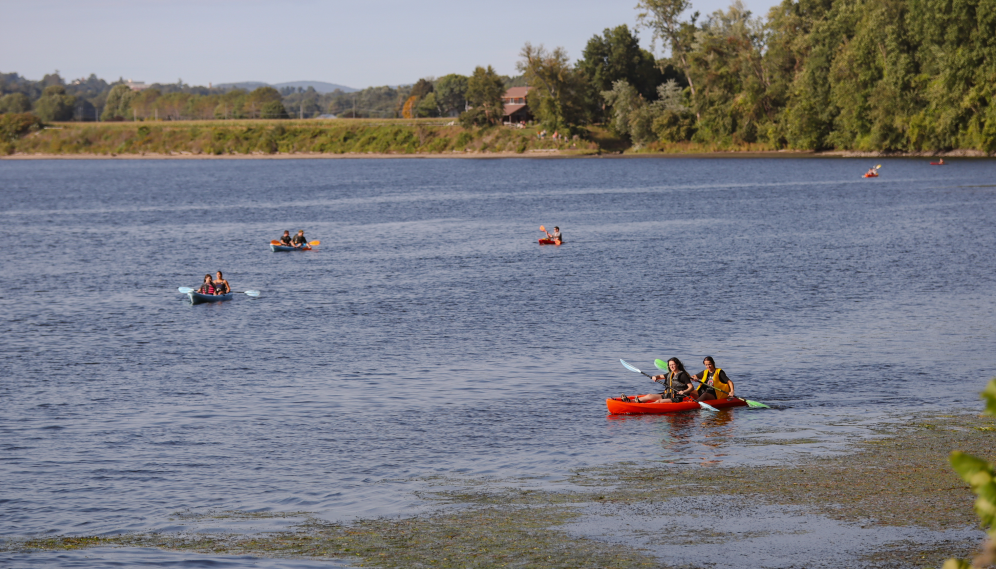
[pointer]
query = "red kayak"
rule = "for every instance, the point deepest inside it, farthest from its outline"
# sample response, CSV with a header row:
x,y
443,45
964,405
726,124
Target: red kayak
x,y
548,242
870,175
617,407
938,164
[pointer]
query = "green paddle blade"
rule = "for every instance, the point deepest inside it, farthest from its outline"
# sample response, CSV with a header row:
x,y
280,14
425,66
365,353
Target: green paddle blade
x,y
756,404
661,364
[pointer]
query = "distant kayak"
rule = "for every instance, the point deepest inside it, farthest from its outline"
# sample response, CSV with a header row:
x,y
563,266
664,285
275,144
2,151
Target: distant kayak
x,y
870,175
198,298
549,242
280,248
938,164
617,407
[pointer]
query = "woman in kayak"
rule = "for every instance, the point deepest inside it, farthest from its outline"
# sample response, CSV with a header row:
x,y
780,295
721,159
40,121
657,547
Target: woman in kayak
x,y
679,386
715,384
208,286
220,284
285,239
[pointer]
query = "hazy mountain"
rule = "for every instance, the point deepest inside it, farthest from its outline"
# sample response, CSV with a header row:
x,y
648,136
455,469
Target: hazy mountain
x,y
320,86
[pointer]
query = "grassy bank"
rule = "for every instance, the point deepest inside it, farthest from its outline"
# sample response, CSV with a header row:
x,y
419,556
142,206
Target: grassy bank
x,y
902,479
263,137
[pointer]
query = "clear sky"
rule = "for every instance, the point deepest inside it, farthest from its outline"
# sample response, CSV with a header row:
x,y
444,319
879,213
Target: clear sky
x,y
357,43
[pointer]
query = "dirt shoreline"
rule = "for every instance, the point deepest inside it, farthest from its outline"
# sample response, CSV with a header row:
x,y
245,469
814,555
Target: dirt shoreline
x,y
531,154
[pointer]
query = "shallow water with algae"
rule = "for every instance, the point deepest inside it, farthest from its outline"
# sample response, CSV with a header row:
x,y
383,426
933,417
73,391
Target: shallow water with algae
x,y
430,338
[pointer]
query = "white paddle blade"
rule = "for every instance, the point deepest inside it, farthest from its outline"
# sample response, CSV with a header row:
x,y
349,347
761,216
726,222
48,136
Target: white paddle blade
x,y
185,289
708,407
629,367
252,292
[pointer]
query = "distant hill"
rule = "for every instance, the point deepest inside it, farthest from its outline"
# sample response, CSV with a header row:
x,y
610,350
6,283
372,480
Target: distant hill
x,y
320,86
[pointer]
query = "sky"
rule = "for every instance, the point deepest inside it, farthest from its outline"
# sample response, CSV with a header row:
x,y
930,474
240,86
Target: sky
x,y
358,43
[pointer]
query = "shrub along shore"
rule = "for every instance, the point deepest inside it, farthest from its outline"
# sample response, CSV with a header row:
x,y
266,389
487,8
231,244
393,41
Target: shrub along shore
x,y
327,138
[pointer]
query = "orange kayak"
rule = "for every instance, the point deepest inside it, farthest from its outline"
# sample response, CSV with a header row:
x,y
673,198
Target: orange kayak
x,y
548,242
869,175
617,407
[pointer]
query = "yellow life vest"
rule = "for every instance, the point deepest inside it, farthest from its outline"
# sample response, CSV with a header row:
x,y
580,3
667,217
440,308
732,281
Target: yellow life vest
x,y
722,388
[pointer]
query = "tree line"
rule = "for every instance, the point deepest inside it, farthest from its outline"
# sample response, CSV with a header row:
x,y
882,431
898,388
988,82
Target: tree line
x,y
903,75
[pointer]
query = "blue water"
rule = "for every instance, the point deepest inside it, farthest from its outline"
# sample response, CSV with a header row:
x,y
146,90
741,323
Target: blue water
x,y
430,336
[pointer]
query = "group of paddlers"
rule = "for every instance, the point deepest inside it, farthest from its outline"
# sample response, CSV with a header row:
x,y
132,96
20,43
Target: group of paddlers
x,y
711,383
214,285
297,241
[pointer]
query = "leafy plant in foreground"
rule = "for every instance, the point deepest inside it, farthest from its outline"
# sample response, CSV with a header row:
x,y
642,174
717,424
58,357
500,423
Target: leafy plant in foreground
x,y
981,476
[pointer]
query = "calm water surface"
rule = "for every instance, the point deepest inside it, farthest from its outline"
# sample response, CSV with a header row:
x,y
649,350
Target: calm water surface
x,y
430,336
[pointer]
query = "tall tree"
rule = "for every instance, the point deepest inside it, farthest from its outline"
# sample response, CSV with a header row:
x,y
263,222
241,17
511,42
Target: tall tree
x,y
484,91
558,89
662,18
451,94
117,105
617,54
55,104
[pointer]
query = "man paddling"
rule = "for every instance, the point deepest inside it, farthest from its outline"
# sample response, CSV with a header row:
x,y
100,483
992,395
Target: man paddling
x,y
299,241
555,236
285,239
715,383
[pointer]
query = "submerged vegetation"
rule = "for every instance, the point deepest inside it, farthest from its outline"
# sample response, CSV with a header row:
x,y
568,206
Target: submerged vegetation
x,y
901,479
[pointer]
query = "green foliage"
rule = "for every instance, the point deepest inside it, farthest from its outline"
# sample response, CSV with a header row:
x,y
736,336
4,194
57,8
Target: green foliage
x,y
16,125
15,103
273,110
55,104
981,477
118,102
451,94
617,55
559,90
484,90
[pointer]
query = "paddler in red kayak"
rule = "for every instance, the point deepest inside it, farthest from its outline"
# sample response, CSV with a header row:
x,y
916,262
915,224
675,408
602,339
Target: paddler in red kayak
x,y
715,383
555,236
679,386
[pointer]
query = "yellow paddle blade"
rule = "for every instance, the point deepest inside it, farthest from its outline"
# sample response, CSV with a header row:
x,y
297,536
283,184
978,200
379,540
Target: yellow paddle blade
x,y
314,242
542,228
877,167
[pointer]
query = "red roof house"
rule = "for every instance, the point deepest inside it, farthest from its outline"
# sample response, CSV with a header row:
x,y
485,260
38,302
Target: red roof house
x,y
516,109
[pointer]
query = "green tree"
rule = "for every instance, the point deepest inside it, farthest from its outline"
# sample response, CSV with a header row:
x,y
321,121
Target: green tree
x,y
15,103
451,94
617,54
558,89
662,17
257,99
484,91
117,105
55,104
274,110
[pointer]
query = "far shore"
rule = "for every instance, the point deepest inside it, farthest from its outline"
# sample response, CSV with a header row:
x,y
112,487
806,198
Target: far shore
x,y
547,154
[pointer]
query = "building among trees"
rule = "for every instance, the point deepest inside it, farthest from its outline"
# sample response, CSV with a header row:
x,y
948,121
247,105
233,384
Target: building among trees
x,y
516,108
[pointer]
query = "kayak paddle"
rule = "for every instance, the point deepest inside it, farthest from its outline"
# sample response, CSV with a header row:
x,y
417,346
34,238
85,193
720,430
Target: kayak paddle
x,y
661,364
316,242
186,289
631,368
543,229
